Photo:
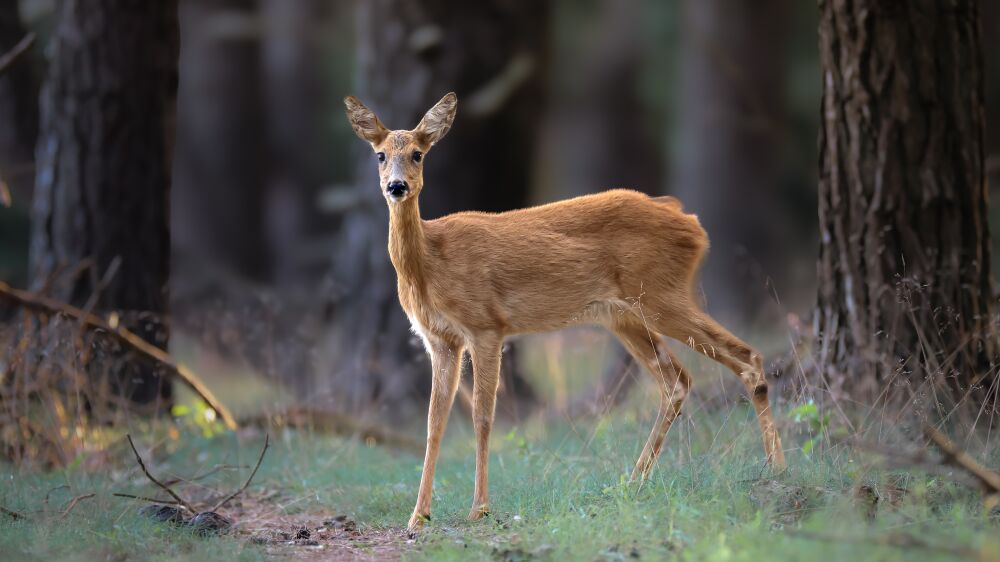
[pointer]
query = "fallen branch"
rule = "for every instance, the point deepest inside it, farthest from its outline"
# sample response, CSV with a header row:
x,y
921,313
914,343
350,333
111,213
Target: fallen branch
x,y
267,442
73,502
162,486
193,381
12,55
145,499
332,422
989,480
12,514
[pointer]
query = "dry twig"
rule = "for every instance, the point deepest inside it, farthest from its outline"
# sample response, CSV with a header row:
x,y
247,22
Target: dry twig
x,y
11,513
193,381
989,480
224,501
8,58
73,502
145,499
162,486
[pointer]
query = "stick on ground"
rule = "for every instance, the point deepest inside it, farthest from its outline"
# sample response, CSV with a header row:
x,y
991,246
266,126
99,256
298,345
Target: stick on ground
x,y
73,502
189,378
267,442
11,513
989,480
163,486
145,499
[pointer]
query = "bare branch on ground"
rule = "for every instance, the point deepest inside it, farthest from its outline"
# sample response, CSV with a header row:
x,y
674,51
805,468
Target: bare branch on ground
x,y
953,455
188,377
12,514
224,501
152,479
73,502
146,499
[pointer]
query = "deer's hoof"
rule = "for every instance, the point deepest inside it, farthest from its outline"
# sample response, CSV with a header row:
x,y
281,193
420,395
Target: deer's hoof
x,y
479,512
417,522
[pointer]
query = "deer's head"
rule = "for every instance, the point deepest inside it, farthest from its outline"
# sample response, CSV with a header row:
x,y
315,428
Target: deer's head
x,y
401,153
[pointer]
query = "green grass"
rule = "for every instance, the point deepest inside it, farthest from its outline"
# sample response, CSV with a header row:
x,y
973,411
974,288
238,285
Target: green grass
x,y
558,493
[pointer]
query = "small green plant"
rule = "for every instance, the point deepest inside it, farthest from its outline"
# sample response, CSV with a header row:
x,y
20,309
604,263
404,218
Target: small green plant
x,y
199,415
818,423
518,441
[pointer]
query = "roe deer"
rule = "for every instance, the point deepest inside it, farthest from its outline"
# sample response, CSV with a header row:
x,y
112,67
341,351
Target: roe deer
x,y
620,259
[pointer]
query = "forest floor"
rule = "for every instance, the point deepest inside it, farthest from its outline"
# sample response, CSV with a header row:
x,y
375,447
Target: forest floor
x,y
559,492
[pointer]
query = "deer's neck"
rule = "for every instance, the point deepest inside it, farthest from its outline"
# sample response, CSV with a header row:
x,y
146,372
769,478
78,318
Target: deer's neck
x,y
407,244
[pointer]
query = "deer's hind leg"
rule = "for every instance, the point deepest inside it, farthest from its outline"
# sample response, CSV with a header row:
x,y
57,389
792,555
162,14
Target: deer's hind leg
x,y
673,382
703,334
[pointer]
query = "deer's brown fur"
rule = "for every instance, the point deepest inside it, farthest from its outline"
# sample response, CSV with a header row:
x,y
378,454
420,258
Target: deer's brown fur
x,y
468,280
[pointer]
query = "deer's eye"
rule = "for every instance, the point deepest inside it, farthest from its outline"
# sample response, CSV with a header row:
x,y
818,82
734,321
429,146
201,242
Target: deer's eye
x,y
417,156
381,157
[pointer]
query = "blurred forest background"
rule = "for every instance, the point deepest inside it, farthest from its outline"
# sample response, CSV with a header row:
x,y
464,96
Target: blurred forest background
x,y
280,288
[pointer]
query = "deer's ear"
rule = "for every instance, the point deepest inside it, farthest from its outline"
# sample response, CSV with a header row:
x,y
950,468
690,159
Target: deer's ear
x,y
364,122
438,119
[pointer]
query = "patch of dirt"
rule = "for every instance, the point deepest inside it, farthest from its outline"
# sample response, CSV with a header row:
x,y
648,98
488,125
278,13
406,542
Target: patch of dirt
x,y
315,536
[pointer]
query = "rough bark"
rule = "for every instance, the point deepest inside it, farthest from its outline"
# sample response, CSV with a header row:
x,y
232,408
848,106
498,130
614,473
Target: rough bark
x,y
492,54
103,180
730,127
904,266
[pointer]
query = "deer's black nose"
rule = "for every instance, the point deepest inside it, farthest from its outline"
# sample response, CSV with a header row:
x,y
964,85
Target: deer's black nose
x,y
397,188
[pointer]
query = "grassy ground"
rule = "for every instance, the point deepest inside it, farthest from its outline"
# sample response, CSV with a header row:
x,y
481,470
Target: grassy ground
x,y
558,494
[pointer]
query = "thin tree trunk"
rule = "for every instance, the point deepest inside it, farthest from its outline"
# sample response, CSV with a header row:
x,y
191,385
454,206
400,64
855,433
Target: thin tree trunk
x,y
294,96
727,163
221,166
18,107
991,35
492,54
606,142
104,153
904,266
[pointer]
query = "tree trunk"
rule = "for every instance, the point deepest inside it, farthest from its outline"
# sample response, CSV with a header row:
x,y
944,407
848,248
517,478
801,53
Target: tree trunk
x,y
221,165
104,156
295,95
904,266
731,126
18,107
492,54
991,31
602,137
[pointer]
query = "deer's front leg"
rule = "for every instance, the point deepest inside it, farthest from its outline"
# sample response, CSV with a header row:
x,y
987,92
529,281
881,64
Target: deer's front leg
x,y
445,364
486,373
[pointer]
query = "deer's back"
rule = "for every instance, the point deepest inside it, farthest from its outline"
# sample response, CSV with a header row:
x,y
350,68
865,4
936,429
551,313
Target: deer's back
x,y
543,265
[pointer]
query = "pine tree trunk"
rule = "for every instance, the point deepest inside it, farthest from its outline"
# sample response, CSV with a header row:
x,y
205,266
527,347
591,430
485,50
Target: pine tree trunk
x,y
731,125
491,53
904,266
222,167
103,180
18,107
